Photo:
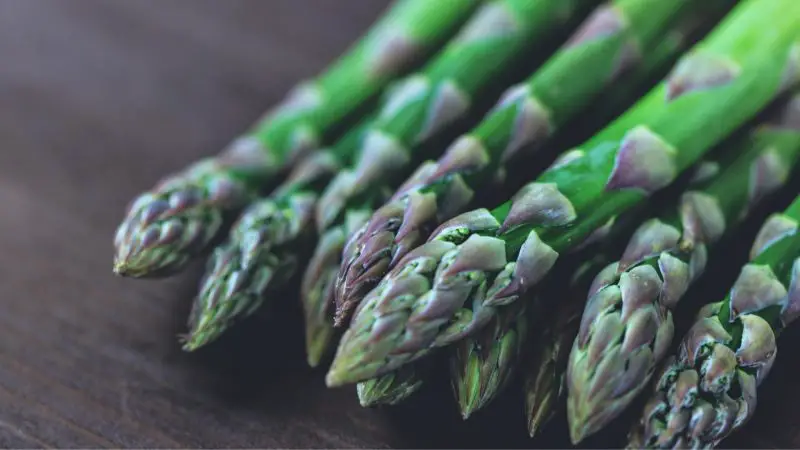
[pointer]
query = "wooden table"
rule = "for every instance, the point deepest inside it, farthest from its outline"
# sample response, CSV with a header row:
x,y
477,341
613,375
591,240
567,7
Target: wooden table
x,y
98,99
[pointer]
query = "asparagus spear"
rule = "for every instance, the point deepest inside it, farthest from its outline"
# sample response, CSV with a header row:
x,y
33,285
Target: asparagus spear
x,y
416,110
182,215
545,386
627,324
618,36
451,286
350,198
709,389
477,376
615,97
482,367
393,387
545,376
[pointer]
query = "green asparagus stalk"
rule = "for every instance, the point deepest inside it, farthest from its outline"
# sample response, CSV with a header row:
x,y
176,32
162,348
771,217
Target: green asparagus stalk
x,y
416,110
545,374
451,286
627,324
186,212
478,376
709,389
619,36
473,397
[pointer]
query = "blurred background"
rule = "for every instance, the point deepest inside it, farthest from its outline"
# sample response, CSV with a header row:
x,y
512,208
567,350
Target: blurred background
x,y
100,99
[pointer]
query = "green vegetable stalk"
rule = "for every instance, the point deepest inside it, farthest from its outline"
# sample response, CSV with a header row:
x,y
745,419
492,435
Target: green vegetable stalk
x,y
615,43
483,363
451,287
183,215
414,111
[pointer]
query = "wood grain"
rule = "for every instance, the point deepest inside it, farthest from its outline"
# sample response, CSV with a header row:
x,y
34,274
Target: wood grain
x,y
98,99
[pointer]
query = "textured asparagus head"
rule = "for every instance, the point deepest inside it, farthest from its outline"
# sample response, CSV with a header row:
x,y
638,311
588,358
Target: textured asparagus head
x,y
393,387
438,294
615,38
447,288
394,229
317,290
627,324
488,46
552,336
177,221
482,366
241,270
262,251
709,390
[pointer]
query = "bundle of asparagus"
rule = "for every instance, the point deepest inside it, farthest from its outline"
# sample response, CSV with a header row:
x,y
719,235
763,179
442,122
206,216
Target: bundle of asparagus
x,y
709,389
182,215
627,324
623,334
401,224
413,112
618,36
411,279
481,261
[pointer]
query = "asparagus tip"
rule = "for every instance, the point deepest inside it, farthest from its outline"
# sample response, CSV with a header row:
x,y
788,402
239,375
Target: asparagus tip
x,y
121,267
536,422
340,317
335,378
468,405
578,429
319,337
190,341
314,353
201,331
131,265
346,371
366,395
144,248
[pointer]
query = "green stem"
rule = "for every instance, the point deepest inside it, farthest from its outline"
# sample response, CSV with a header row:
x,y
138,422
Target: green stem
x,y
618,46
451,286
187,212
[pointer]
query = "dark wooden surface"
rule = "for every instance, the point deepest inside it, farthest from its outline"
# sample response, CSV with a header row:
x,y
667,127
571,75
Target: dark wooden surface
x,y
97,100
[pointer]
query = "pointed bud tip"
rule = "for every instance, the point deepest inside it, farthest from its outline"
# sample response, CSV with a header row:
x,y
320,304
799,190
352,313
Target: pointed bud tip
x,y
120,267
339,318
334,379
128,268
145,263
577,433
191,342
578,425
314,354
470,403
